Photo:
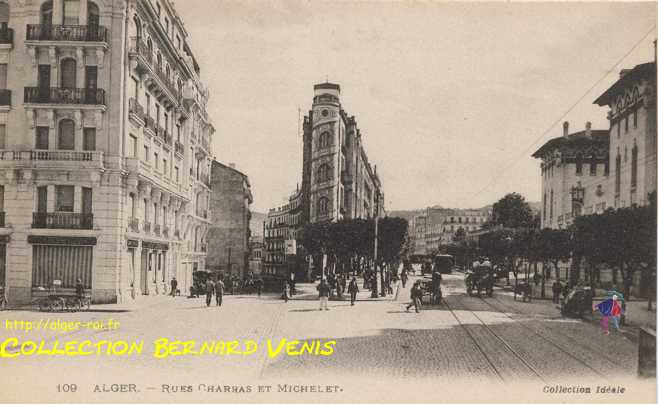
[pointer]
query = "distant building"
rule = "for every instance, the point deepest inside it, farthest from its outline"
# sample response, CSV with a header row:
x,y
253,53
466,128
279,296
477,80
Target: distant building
x,y
438,226
282,225
256,254
228,234
575,170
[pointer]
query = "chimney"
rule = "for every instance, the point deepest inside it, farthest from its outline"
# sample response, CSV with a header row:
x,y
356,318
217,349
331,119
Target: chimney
x,y
588,129
565,129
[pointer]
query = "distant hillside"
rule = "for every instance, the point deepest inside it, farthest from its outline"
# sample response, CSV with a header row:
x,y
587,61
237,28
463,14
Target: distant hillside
x,y
256,223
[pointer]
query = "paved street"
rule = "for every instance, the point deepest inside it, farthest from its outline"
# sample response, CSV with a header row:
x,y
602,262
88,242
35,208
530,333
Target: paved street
x,y
491,339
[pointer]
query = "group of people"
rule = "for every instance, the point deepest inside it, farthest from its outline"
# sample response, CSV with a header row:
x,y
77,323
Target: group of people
x,y
324,290
216,288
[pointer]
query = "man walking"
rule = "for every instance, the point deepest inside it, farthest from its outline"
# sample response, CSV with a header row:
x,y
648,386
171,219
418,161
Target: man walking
x,y
286,291
353,288
403,277
323,291
416,295
174,286
210,288
219,291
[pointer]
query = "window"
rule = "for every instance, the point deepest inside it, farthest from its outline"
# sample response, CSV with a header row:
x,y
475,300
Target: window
x,y
41,141
89,139
178,133
617,173
634,167
158,9
68,73
132,146
579,164
592,166
606,168
64,201
178,43
325,139
618,128
148,105
146,153
66,139
323,206
323,173
71,12
635,119
176,174
3,140
3,73
164,167
626,124
155,158
166,20
47,13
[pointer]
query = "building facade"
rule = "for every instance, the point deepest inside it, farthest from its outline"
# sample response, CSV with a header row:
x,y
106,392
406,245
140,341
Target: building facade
x,y
631,103
103,117
229,233
256,247
338,182
437,227
282,227
575,170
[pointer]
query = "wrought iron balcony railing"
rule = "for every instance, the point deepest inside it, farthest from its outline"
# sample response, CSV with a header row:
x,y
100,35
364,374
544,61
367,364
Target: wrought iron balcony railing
x,y
56,95
76,33
139,47
62,220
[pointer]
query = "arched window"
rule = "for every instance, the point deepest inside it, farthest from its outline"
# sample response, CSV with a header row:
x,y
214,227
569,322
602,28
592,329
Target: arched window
x,y
68,78
579,164
47,13
138,26
323,173
168,72
159,61
325,139
66,138
323,206
4,15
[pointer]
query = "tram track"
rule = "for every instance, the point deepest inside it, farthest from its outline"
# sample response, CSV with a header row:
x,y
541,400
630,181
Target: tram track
x,y
481,349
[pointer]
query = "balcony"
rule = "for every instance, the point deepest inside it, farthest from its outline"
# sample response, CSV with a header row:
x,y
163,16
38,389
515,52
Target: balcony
x,y
51,158
66,33
156,229
147,226
138,47
136,109
62,220
133,224
55,95
7,36
149,124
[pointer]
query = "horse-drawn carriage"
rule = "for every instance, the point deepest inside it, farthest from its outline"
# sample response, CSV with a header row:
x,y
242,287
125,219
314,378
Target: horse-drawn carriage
x,y
481,278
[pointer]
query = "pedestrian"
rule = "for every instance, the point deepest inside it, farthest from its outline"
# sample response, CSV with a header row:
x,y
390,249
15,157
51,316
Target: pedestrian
x,y
174,286
353,288
416,295
628,282
557,288
323,291
219,291
259,286
210,288
609,308
79,288
286,291
404,277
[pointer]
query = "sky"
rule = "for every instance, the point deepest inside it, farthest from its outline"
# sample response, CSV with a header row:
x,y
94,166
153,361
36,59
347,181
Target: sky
x,y
451,98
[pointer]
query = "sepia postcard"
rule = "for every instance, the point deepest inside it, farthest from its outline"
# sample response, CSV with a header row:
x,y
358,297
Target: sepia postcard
x,y
340,201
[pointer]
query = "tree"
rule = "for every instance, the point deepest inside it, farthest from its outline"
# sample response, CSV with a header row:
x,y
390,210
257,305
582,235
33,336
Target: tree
x,y
511,211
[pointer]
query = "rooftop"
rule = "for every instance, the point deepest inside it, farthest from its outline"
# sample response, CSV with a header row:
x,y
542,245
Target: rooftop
x,y
627,77
326,86
577,139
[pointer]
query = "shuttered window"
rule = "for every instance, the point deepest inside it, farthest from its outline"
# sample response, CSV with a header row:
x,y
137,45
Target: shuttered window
x,y
68,73
64,198
65,263
66,135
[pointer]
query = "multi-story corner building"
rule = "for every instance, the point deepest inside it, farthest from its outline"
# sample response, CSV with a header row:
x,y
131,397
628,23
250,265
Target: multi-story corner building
x,y
438,226
338,182
105,148
575,170
228,237
282,226
632,114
